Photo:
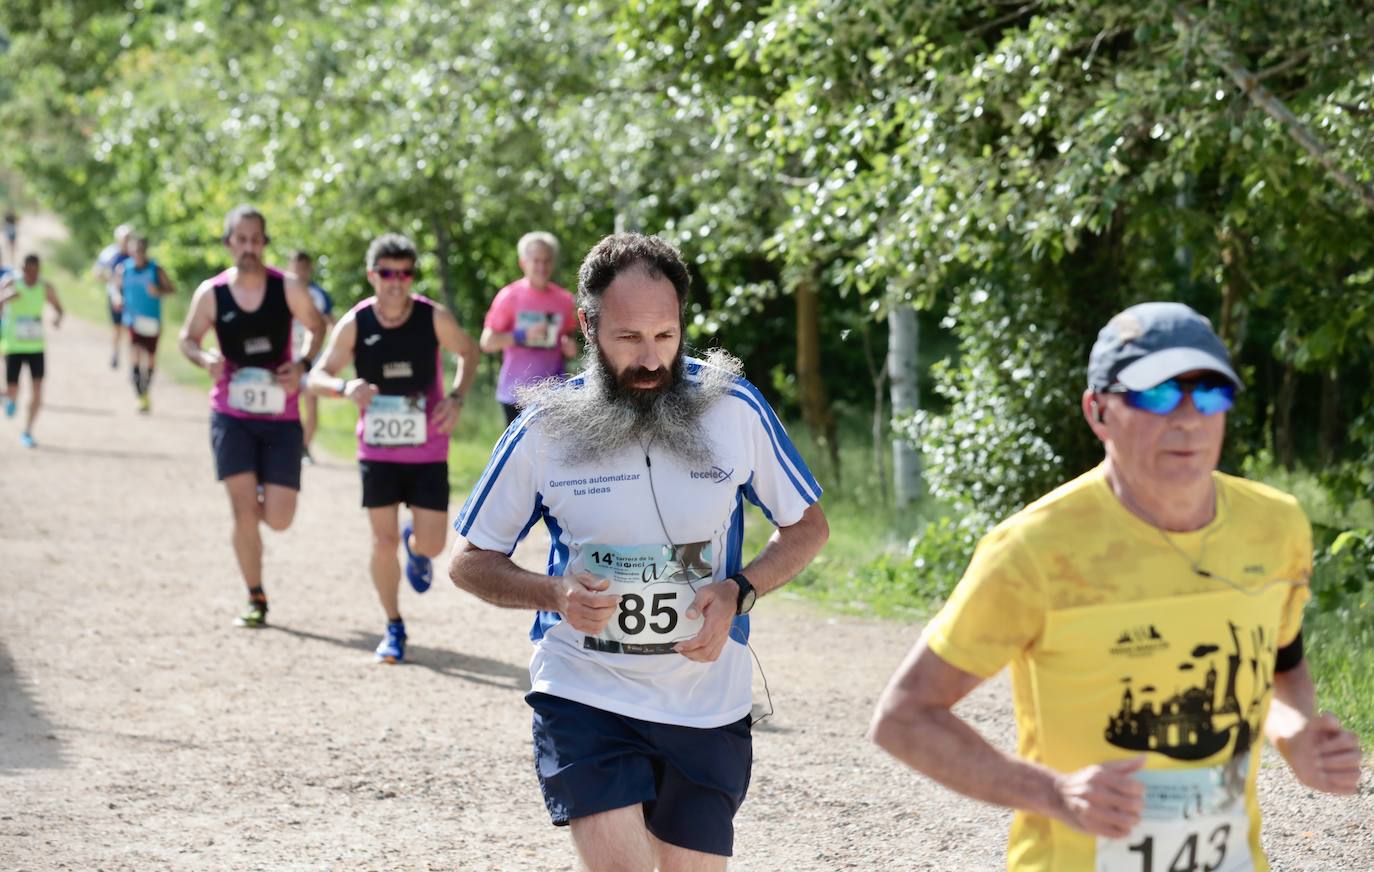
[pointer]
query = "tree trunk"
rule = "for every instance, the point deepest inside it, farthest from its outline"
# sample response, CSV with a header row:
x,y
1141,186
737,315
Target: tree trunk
x,y
878,377
444,249
1329,427
903,341
815,400
1283,417
1232,289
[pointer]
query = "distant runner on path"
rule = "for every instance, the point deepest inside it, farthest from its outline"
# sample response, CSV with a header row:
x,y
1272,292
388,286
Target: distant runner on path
x,y
142,285
303,265
393,340
639,467
255,428
110,257
531,321
1151,613
22,299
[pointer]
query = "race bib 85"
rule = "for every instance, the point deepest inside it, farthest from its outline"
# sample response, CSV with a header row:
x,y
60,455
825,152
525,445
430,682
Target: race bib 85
x,y
656,584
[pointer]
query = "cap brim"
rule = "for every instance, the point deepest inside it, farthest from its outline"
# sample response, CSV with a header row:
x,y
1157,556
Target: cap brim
x,y
1152,369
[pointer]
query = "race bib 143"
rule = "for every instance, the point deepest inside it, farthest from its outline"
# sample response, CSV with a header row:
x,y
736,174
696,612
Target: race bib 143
x,y
656,584
1194,821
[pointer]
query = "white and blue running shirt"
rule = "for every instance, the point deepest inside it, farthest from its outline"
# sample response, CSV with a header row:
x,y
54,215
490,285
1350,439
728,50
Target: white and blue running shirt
x,y
611,502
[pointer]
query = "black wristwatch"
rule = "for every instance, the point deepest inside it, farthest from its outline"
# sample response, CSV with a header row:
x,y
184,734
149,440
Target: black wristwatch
x,y
747,594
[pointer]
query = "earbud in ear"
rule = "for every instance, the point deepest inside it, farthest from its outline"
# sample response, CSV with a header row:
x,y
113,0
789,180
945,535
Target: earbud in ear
x,y
1099,413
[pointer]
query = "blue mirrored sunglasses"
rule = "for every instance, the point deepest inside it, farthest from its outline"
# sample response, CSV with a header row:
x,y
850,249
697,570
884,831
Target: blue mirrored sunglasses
x,y
1211,394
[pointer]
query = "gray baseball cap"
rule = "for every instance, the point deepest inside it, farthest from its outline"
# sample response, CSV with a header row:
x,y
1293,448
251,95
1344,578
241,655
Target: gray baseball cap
x,y
1153,342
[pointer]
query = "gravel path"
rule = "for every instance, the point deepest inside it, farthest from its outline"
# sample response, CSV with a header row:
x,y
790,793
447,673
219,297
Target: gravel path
x,y
140,730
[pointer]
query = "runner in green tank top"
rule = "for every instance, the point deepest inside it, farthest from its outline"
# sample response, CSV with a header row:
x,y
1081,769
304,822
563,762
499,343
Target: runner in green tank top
x,y
21,337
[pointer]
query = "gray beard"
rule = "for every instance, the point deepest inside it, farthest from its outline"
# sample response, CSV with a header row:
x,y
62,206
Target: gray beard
x,y
600,419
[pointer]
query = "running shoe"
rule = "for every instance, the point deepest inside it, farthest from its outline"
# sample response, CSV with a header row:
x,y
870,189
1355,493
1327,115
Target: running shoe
x,y
145,405
255,617
419,569
9,408
26,440
114,362
392,648
306,457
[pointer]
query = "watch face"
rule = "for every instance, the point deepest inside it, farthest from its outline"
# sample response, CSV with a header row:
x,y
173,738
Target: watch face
x,y
746,601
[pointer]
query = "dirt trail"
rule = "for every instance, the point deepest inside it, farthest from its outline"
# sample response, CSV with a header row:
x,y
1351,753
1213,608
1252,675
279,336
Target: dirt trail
x,y
140,730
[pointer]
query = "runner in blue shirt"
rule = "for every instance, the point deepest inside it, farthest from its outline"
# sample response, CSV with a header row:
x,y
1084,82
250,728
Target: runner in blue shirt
x,y
141,284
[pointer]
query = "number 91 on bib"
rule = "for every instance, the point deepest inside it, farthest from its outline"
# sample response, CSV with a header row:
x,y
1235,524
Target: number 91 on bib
x,y
656,584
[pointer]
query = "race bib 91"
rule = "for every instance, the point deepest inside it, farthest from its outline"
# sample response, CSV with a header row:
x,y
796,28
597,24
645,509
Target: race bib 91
x,y
395,420
1194,820
255,390
656,584
28,329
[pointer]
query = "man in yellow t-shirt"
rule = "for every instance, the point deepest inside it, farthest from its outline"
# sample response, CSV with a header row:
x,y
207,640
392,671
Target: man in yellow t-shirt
x,y
1151,613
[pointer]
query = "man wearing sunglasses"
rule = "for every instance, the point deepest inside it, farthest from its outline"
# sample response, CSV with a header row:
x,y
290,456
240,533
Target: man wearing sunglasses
x,y
1151,613
393,340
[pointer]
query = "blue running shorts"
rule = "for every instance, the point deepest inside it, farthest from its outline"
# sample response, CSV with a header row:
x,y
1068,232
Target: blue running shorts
x,y
690,781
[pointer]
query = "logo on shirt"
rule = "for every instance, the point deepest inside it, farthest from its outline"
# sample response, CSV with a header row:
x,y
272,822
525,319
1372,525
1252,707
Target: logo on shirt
x,y
397,369
227,317
257,345
372,340
1139,641
715,475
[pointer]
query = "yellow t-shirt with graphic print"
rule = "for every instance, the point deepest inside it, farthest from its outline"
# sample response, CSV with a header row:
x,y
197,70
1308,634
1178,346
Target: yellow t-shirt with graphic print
x,y
1118,648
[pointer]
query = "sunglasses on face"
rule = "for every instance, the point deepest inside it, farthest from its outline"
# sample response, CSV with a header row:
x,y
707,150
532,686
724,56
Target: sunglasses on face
x,y
1211,394
389,274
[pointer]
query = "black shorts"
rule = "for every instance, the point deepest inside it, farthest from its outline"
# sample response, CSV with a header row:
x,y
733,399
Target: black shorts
x,y
16,361
271,449
690,781
147,343
116,315
418,485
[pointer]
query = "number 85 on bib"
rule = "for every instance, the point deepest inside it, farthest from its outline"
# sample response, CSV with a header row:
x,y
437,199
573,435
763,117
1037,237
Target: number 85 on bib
x,y
656,585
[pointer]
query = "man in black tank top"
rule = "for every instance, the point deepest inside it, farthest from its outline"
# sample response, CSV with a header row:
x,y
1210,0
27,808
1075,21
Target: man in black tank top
x,y
255,429
405,416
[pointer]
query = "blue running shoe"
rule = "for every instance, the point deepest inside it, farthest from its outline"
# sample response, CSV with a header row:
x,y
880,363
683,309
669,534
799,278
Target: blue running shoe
x,y
26,440
9,408
392,648
419,569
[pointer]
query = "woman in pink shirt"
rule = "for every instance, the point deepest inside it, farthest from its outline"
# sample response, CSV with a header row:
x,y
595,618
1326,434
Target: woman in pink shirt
x,y
531,322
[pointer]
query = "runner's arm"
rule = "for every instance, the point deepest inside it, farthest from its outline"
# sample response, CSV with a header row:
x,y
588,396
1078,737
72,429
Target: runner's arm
x,y
914,723
324,379
1322,754
117,284
51,293
788,551
164,283
458,342
7,290
491,341
200,317
303,310
493,577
